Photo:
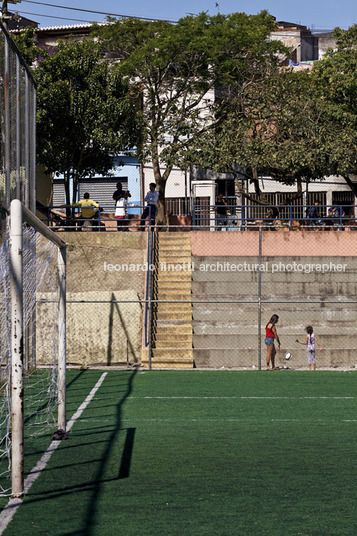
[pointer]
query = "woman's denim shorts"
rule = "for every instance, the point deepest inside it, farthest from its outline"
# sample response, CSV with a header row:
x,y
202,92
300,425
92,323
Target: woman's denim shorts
x,y
269,341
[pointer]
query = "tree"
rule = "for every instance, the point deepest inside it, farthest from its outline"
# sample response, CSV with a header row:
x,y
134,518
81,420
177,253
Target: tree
x,y
275,126
336,77
85,113
179,69
27,44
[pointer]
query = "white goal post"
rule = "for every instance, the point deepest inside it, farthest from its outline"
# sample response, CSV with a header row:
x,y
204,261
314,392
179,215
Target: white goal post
x,y
18,215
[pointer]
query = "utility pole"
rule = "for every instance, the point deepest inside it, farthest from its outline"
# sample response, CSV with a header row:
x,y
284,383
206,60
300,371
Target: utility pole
x,y
5,14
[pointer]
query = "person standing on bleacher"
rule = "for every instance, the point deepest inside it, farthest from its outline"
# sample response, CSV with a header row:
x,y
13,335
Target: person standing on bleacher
x,y
151,200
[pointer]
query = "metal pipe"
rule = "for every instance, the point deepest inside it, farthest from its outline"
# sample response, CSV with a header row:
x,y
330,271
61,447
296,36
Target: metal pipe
x,y
28,184
18,129
61,264
31,219
17,388
260,303
7,126
33,155
149,305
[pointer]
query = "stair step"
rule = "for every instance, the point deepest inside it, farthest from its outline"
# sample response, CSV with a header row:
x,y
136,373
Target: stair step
x,y
164,329
174,236
171,277
173,316
164,363
174,307
173,294
176,249
175,285
172,353
172,342
174,275
174,242
172,262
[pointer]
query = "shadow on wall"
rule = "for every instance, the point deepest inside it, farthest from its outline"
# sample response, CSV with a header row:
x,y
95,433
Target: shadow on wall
x,y
103,328
129,352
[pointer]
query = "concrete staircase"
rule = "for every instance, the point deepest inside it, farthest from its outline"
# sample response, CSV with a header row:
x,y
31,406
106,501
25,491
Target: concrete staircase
x,y
172,325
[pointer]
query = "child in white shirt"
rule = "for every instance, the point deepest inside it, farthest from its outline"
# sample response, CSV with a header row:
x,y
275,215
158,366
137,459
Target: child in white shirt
x,y
310,347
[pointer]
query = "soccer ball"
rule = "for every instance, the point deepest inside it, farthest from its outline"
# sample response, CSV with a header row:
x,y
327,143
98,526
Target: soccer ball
x,y
288,356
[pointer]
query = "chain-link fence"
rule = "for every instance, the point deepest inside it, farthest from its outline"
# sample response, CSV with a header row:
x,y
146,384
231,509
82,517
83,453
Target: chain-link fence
x,y
202,299
18,129
215,292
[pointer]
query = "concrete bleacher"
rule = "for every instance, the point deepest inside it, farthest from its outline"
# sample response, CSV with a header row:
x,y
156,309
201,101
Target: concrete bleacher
x,y
227,334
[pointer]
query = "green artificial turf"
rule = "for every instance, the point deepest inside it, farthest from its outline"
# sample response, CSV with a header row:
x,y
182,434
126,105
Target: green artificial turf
x,y
181,453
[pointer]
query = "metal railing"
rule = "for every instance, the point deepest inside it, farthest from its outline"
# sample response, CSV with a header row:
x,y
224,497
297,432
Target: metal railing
x,y
149,287
58,219
238,217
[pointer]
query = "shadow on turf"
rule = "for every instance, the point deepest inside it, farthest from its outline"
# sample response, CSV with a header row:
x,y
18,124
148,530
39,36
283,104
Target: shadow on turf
x,y
45,405
95,484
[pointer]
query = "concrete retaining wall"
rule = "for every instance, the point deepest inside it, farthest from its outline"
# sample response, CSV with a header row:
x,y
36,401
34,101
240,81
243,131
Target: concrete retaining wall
x,y
224,334
227,334
103,332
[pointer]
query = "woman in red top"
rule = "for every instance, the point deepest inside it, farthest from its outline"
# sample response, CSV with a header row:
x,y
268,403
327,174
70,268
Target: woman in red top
x,y
270,335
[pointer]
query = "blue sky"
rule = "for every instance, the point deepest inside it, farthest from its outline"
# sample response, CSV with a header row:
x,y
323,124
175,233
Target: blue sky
x,y
316,14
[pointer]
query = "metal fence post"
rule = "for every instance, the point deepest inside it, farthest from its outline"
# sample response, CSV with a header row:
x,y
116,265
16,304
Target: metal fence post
x,y
7,126
17,387
149,304
260,301
61,264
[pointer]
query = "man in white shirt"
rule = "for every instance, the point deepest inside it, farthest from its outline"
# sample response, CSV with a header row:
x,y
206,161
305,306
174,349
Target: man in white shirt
x,y
151,199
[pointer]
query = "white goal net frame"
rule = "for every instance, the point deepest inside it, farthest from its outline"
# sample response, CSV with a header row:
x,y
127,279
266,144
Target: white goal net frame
x,y
20,352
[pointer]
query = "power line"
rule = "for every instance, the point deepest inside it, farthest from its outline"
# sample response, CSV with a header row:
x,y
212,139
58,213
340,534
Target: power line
x,y
88,10
313,29
53,17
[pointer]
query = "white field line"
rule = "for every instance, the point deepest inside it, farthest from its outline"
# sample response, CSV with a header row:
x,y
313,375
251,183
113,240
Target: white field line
x,y
243,397
236,420
13,505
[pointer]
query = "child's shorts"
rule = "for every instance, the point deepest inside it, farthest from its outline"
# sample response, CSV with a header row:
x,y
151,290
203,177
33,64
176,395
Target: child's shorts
x,y
269,341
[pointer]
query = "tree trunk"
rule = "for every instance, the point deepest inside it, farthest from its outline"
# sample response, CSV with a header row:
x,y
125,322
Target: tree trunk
x,y
68,194
161,218
255,178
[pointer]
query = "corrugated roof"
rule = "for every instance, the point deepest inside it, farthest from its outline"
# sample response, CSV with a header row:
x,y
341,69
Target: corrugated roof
x,y
70,26
67,27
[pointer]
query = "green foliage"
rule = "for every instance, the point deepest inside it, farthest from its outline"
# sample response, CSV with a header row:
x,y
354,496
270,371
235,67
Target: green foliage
x,y
336,78
27,44
292,126
181,67
85,112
